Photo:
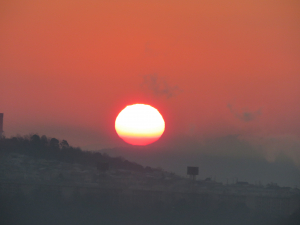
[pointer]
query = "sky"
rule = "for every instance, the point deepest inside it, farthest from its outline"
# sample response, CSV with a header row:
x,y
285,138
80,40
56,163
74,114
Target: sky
x,y
224,74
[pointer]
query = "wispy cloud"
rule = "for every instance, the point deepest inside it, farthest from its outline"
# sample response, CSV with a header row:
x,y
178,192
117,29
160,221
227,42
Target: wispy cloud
x,y
245,115
159,86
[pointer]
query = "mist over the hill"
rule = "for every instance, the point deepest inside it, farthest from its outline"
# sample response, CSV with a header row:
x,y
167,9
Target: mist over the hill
x,y
225,159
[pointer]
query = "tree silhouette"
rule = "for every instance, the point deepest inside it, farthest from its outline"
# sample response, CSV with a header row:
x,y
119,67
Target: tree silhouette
x,y
54,143
64,144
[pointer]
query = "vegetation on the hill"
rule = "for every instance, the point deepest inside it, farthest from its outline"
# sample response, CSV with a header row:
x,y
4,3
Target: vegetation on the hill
x,y
54,149
49,207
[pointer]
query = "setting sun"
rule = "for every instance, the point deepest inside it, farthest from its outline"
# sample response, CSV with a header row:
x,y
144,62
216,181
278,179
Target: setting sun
x,y
139,124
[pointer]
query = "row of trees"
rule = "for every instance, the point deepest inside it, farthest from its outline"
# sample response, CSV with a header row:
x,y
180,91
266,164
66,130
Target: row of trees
x,y
54,149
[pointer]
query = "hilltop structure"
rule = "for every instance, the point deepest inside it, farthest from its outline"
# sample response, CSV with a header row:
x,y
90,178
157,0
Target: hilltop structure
x,y
1,124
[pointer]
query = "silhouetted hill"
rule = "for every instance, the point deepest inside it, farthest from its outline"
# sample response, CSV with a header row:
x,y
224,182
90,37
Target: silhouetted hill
x,y
46,181
54,149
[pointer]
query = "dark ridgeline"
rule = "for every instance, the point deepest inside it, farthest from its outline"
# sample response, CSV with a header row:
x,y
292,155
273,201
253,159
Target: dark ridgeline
x,y
53,149
53,203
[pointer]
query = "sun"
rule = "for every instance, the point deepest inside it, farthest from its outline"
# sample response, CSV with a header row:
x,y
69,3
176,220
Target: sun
x,y
139,124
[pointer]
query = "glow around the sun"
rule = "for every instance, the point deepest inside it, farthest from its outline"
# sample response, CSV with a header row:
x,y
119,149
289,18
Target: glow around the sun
x,y
139,124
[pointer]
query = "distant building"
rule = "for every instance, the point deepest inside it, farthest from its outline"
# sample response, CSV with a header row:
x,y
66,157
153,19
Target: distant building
x,y
1,124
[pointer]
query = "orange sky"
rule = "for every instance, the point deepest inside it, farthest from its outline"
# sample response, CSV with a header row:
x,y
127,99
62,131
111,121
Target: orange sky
x,y
212,68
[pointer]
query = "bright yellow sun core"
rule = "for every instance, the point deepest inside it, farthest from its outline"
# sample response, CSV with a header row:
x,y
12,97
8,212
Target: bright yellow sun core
x,y
139,124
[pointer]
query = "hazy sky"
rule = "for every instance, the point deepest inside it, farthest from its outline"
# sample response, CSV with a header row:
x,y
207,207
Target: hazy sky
x,y
213,69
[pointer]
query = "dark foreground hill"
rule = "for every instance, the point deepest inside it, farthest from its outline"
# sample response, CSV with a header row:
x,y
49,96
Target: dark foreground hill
x,y
46,181
53,149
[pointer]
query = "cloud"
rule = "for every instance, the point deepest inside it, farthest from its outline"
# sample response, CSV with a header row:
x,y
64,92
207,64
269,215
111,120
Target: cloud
x,y
281,147
159,86
246,115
